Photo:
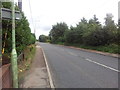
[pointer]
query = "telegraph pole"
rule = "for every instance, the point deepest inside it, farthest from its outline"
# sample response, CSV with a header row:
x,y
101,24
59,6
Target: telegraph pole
x,y
14,66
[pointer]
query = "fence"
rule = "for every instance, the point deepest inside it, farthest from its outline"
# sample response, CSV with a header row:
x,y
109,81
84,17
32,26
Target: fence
x,y
5,72
6,76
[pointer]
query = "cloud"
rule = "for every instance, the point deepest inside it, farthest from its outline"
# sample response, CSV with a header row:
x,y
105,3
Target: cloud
x,y
45,28
46,13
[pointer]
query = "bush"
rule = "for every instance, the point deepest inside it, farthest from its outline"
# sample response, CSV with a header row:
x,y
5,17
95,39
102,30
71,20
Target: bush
x,y
97,38
73,36
23,34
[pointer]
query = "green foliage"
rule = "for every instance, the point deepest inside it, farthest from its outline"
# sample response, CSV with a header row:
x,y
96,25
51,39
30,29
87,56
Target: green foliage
x,y
23,34
111,29
24,37
32,39
96,38
6,5
112,48
43,38
118,36
73,36
89,34
57,32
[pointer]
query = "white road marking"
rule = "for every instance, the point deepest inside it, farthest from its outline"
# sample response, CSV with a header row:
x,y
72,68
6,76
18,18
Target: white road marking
x,y
48,70
102,65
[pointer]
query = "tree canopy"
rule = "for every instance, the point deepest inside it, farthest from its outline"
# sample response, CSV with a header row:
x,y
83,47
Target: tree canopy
x,y
87,32
57,32
23,34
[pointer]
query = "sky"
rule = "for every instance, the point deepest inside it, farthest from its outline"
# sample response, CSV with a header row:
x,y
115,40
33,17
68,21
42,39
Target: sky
x,y
42,14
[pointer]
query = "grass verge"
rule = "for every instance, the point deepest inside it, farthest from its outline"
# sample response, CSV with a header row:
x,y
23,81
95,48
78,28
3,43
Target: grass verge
x,y
112,48
25,64
107,48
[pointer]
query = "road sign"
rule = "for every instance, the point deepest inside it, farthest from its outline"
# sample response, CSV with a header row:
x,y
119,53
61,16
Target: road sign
x,y
7,14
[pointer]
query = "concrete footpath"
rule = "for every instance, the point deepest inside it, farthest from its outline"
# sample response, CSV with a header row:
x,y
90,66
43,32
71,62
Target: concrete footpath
x,y
37,76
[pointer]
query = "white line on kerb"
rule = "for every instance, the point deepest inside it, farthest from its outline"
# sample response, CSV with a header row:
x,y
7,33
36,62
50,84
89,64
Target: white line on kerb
x,y
48,69
102,65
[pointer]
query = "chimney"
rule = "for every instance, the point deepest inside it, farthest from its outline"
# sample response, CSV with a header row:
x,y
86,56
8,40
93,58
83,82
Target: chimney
x,y
20,4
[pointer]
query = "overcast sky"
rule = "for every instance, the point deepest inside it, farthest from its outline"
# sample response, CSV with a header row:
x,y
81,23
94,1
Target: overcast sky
x,y
46,13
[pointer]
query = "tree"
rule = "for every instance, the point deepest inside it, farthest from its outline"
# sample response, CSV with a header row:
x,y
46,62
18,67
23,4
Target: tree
x,y
74,35
70,36
23,32
89,32
92,33
42,38
118,36
108,19
57,32
110,28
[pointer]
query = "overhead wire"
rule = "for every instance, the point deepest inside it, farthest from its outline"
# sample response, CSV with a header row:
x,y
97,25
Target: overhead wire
x,y
31,17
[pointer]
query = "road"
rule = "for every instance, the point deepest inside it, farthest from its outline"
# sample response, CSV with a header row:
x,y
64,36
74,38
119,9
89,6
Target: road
x,y
72,68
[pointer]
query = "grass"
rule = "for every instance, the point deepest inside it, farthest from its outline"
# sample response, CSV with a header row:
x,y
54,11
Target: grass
x,y
109,48
25,64
112,48
60,43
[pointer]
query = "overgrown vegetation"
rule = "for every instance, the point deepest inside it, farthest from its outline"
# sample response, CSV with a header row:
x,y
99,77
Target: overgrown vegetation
x,y
43,38
90,34
24,37
112,48
25,64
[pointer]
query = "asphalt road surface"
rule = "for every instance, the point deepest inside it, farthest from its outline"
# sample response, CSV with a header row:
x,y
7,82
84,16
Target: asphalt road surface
x,y
72,68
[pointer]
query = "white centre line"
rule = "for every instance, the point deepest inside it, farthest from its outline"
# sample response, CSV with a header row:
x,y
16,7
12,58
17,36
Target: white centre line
x,y
102,65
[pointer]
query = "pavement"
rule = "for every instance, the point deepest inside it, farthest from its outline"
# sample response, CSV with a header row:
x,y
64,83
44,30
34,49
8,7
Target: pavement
x,y
75,68
37,76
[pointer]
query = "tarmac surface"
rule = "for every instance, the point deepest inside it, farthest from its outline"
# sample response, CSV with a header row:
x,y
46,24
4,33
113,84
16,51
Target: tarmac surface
x,y
37,76
77,68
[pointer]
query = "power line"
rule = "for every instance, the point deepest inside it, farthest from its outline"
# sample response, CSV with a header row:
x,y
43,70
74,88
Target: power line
x,y
31,15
